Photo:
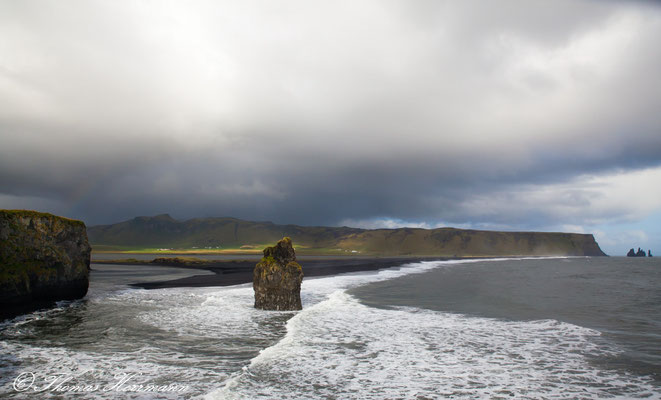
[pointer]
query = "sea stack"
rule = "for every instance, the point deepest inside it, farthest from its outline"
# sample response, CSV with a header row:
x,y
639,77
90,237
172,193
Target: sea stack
x,y
43,258
277,278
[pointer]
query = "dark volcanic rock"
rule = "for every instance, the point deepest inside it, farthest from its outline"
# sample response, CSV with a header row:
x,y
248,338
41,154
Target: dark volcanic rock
x,y
639,253
277,278
43,258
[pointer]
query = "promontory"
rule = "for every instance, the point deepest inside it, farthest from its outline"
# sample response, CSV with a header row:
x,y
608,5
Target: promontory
x,y
224,233
43,258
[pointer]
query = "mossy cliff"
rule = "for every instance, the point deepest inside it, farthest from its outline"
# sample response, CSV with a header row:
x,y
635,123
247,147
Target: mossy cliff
x,y
277,278
43,258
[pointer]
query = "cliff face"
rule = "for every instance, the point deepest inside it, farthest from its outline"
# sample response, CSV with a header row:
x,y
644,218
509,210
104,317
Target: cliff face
x,y
277,278
466,243
164,231
42,258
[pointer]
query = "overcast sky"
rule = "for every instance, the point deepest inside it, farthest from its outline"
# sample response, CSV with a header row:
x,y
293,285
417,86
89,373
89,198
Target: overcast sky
x,y
525,115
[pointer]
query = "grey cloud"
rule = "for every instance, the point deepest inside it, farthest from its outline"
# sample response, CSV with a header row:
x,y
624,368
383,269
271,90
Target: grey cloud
x,y
314,113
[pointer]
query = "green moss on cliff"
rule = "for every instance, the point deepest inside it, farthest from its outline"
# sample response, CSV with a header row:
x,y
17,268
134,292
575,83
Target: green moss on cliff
x,y
39,214
30,268
266,266
295,265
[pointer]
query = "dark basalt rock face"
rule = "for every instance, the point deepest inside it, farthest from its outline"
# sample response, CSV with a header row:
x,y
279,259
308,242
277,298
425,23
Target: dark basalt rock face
x,y
639,253
43,258
277,278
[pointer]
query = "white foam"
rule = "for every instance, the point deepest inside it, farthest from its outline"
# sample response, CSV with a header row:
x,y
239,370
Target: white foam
x,y
339,348
197,336
184,336
335,348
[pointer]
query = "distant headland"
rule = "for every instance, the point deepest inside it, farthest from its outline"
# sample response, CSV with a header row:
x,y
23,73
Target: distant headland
x,y
164,234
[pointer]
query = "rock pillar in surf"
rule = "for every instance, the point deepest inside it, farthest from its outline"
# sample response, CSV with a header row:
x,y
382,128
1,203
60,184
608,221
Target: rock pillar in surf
x,y
277,278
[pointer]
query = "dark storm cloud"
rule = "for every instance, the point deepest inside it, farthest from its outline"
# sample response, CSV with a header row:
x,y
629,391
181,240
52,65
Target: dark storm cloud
x,y
515,113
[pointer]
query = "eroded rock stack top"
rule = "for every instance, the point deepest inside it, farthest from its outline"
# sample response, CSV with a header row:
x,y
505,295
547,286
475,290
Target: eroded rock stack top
x,y
283,252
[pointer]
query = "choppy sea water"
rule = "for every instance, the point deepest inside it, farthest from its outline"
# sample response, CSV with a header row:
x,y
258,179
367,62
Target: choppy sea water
x,y
516,328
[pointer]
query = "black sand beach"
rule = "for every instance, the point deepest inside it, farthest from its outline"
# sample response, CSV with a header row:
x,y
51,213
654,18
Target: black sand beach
x,y
235,272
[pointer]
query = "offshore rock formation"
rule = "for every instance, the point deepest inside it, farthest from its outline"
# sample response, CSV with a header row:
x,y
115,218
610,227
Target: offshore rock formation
x,y
43,258
277,278
639,253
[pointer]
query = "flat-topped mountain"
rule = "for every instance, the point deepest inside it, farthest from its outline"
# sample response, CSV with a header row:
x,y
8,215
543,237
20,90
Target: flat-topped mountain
x,y
163,231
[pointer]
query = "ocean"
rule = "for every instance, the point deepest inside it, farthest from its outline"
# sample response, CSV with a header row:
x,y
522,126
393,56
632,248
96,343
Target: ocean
x,y
565,328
